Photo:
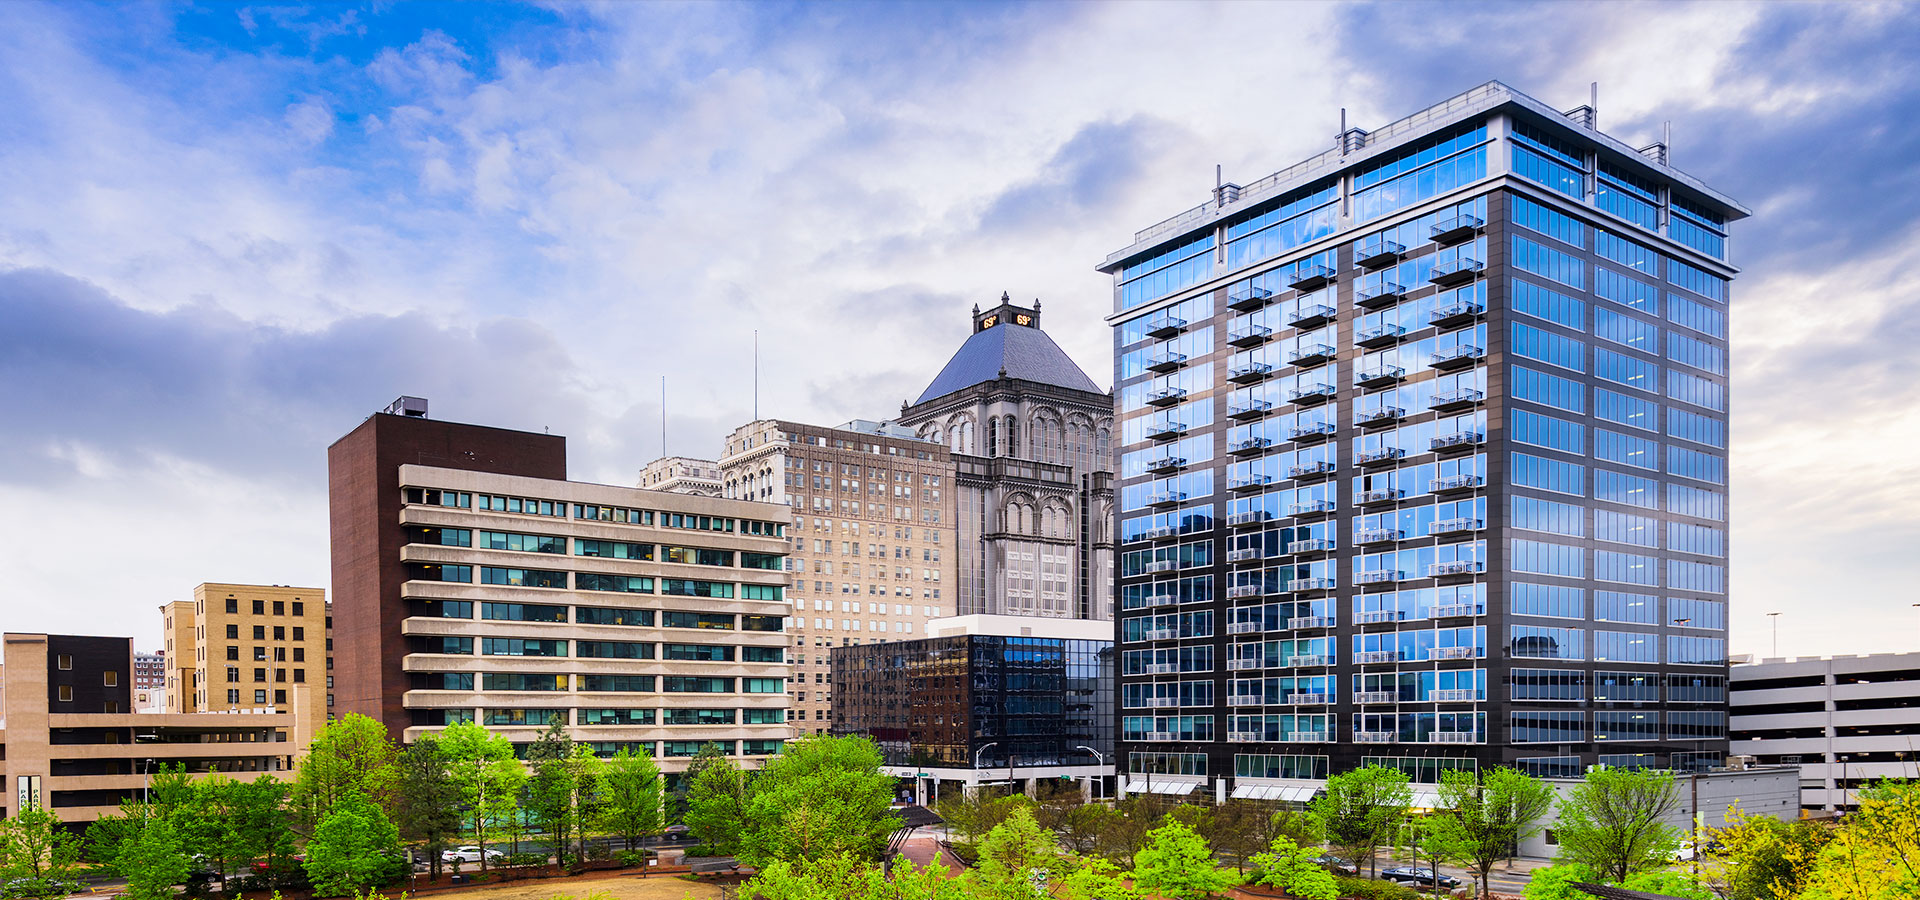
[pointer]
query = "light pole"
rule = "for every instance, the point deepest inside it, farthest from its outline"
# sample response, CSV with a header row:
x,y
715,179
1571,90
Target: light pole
x,y
1693,785
1099,758
983,749
1776,632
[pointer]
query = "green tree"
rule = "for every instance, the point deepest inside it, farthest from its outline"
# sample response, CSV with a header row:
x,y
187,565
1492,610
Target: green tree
x,y
1127,830
349,756
1614,821
1668,883
152,859
822,796
1483,818
563,796
1290,867
351,848
553,743
1243,829
488,779
259,814
1018,856
1763,858
1176,863
37,855
426,799
632,793
851,878
1360,810
1555,882
1875,854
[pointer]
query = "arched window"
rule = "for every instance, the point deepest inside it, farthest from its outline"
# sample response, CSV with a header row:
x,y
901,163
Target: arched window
x,y
993,436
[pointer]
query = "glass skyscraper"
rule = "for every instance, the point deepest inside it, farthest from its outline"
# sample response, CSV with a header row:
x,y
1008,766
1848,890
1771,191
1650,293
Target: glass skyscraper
x,y
1423,450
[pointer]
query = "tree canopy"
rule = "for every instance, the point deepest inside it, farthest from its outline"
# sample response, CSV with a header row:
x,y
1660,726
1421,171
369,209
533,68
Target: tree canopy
x,y
1614,821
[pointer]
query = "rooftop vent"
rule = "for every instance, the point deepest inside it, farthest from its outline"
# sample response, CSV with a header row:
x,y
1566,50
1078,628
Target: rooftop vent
x,y
415,407
1656,151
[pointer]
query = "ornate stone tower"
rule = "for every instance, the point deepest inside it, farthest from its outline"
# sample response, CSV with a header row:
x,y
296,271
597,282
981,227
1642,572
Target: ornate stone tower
x,y
1030,435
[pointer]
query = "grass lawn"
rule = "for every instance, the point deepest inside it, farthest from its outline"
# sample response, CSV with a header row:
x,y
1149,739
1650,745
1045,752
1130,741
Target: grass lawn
x,y
620,887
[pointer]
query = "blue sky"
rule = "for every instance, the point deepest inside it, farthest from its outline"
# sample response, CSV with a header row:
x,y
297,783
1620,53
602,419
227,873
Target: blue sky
x,y
229,231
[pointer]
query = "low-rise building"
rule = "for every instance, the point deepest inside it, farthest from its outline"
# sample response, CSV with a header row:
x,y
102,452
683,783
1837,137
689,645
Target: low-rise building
x,y
1845,721
72,743
985,700
246,647
1754,790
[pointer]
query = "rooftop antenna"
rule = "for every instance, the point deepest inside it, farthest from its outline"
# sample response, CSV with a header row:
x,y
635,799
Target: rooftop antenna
x,y
663,415
756,374
1593,103
1666,139
1342,138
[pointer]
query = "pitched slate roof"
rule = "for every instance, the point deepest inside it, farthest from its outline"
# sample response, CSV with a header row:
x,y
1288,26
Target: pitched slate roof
x,y
1022,352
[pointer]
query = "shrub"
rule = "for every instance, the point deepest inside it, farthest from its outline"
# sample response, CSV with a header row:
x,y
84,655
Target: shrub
x,y
1368,889
523,859
633,857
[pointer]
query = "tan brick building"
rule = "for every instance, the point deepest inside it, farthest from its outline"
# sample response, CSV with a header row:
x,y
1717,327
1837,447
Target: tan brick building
x,y
247,647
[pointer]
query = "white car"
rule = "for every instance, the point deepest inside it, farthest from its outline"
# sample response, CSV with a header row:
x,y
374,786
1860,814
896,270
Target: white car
x,y
468,855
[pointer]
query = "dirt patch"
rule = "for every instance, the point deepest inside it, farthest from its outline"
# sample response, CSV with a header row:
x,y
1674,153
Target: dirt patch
x,y
627,886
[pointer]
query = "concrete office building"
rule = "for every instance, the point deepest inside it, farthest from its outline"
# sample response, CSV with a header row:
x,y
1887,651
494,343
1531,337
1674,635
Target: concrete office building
x,y
1845,721
1030,435
245,647
682,475
472,581
1423,458
985,700
872,540
73,745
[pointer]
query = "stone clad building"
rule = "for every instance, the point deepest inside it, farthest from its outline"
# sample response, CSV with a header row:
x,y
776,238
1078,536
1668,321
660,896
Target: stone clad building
x,y
1029,433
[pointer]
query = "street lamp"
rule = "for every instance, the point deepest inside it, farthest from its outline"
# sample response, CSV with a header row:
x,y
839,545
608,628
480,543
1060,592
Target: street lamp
x,y
1693,784
983,749
1776,632
1098,757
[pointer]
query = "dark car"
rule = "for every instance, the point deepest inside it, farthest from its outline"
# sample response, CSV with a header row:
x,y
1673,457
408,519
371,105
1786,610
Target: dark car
x,y
676,833
1335,864
1415,876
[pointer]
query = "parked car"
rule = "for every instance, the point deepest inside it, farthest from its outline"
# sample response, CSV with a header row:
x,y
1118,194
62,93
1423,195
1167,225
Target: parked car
x,y
469,855
297,860
676,833
1411,875
1335,864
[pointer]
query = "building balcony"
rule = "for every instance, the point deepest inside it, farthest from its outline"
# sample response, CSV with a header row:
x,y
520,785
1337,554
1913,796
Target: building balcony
x,y
1459,398
1374,657
1166,499
1163,565
1250,373
1308,737
1253,517
1379,456
1250,336
1458,440
1250,446
1378,496
1457,567
1245,627
1159,736
1248,298
1311,508
1467,695
1318,659
1246,737
1376,737
1161,634
1378,535
1453,737
1378,416
1242,591
1381,336
1311,394
1166,463
1377,254
1245,554
1166,396
1453,484
1456,653
1250,482
1382,296
1454,526
1243,664
1152,534
1376,617
1166,362
1455,610
1453,315
1311,545
1312,316
1252,409
1459,271
1162,668
1165,430
1165,326
1312,622
1377,576
1306,278
1246,700
1158,702
1311,355
1316,469
1455,357
1374,697
1311,434
1310,584
1380,377
1306,699
1455,230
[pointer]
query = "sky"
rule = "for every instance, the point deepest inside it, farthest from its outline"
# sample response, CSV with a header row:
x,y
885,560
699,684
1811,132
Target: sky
x,y
229,232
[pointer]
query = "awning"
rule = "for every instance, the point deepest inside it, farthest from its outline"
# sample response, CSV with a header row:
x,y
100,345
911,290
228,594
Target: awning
x,y
1290,791
1161,786
1425,798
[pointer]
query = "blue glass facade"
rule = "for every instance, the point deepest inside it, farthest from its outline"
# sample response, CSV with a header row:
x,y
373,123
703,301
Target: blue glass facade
x,y
1479,419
